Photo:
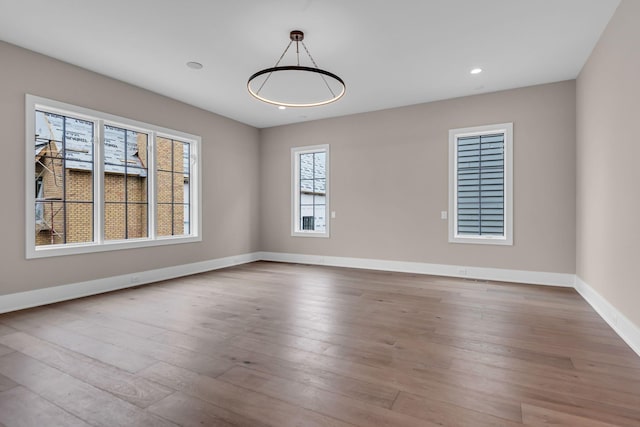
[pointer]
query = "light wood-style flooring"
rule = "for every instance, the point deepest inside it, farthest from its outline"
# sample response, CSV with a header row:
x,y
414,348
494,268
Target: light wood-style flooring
x,y
269,344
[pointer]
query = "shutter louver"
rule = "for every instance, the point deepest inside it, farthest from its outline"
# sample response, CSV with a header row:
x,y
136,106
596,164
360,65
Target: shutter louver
x,y
480,186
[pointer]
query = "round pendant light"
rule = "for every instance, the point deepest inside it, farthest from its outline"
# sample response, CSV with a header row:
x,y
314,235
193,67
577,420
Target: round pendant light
x,y
296,85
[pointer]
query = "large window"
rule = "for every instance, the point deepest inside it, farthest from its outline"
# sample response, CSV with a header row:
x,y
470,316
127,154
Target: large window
x,y
310,170
104,182
480,184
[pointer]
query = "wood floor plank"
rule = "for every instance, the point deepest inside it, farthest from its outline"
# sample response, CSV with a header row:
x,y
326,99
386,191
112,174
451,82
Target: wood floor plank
x,y
86,402
6,383
5,350
152,349
567,385
189,411
306,396
326,380
446,414
21,407
256,406
420,380
87,345
584,412
4,330
126,386
536,416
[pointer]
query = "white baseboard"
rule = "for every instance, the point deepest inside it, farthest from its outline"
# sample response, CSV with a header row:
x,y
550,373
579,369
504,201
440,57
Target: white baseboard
x,y
481,273
624,327
28,299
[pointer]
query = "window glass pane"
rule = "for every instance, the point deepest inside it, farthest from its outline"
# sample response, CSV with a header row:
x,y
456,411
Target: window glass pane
x,y
137,226
114,221
165,220
63,149
173,180
306,198
178,187
186,223
163,153
137,189
306,185
125,182
319,186
164,187
319,165
319,217
306,166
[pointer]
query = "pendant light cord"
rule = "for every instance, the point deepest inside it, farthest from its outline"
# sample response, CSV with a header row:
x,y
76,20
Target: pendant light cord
x,y
277,63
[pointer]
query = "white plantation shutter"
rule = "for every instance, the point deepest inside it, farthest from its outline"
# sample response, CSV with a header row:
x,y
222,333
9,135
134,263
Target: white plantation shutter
x,y
480,189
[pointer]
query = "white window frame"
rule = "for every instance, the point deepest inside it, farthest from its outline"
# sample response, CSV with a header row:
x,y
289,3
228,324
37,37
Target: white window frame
x,y
33,103
295,191
454,135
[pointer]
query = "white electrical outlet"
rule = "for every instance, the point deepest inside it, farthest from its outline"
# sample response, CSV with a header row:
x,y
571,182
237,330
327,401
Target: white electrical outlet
x,y
443,215
333,214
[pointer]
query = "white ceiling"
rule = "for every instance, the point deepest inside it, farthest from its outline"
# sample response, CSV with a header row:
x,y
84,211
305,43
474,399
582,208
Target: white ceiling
x,y
390,53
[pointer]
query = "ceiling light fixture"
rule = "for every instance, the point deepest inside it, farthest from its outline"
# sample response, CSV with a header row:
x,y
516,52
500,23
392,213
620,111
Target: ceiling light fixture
x,y
296,85
476,71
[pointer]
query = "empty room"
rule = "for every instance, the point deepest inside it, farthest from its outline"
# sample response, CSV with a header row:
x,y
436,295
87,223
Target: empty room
x,y
320,213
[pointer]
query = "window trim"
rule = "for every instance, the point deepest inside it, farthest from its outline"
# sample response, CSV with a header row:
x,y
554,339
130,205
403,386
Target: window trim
x,y
33,103
295,194
454,135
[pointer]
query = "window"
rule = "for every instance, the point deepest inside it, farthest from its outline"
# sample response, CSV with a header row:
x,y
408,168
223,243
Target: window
x,y
310,170
480,185
104,182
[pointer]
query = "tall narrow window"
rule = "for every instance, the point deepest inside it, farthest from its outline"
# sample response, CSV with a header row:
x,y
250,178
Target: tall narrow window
x,y
64,179
173,175
481,184
126,206
310,170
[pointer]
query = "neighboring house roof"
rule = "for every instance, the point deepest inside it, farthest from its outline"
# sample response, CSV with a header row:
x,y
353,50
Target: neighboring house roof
x,y
78,138
312,173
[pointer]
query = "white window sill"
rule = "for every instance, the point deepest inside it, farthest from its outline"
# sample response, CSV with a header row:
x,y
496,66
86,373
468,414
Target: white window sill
x,y
84,248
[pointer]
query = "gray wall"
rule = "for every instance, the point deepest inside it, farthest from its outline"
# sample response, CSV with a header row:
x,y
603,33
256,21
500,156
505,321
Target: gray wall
x,y
229,159
608,173
389,181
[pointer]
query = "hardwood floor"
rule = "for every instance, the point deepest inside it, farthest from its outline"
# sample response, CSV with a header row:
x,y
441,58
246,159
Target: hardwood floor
x,y
268,344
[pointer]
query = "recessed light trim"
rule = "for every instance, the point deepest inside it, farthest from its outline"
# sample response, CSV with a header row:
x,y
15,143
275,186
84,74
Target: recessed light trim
x,y
194,65
281,107
476,70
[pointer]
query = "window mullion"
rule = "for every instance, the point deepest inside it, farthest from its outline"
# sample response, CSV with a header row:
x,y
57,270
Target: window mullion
x,y
98,182
151,185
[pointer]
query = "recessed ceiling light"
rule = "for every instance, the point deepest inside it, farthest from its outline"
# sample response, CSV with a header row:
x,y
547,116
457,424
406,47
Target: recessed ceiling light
x,y
194,65
476,71
282,107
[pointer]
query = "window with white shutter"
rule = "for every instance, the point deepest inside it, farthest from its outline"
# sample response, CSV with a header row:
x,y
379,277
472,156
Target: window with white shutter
x,y
480,184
